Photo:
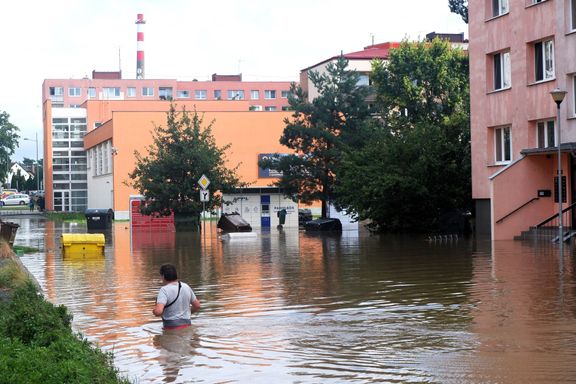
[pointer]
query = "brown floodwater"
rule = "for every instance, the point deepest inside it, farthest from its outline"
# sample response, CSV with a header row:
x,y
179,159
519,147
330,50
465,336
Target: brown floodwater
x,y
289,307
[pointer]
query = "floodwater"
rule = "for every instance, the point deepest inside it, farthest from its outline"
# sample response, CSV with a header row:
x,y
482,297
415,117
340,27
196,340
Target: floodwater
x,y
288,307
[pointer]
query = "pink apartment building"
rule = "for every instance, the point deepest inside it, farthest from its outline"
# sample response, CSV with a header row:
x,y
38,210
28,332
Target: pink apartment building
x,y
521,50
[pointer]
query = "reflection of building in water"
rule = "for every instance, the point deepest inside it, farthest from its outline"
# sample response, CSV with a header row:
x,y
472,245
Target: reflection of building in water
x,y
521,311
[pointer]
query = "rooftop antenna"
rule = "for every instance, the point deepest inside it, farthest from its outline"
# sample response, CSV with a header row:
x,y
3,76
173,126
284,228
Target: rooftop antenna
x,y
372,37
140,46
119,60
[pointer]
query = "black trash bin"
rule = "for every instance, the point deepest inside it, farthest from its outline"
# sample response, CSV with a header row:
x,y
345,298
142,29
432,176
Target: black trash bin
x,y
99,218
233,222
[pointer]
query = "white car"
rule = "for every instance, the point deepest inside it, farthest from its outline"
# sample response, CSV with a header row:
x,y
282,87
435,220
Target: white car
x,y
15,199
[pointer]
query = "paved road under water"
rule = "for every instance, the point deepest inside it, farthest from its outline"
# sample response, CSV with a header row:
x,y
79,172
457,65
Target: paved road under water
x,y
288,307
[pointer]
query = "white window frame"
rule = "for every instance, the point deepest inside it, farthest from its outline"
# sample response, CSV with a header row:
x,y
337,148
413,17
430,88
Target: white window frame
x,y
217,94
235,94
502,145
255,94
269,94
547,60
284,94
131,92
200,94
502,70
111,92
183,94
270,108
500,7
74,92
543,131
147,91
91,92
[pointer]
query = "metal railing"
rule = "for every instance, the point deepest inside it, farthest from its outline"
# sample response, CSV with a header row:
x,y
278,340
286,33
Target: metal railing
x,y
516,210
554,221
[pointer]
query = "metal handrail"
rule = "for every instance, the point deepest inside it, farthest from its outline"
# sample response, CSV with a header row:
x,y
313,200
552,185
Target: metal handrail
x,y
516,210
554,216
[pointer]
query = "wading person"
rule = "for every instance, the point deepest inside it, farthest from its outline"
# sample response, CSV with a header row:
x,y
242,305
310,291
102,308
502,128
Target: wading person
x,y
176,301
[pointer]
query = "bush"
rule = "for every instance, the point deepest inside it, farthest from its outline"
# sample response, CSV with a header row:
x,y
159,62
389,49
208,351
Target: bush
x,y
37,345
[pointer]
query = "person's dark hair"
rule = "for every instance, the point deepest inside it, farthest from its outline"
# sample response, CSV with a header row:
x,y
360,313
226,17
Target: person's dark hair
x,y
168,271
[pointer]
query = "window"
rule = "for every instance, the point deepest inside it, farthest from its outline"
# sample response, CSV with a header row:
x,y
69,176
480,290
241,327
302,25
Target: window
x,y
546,134
499,7
200,94
269,94
502,145
502,72
285,107
91,92
574,94
131,92
284,94
56,91
111,92
257,108
147,91
165,93
235,95
254,95
363,80
270,108
544,60
74,91
217,94
572,15
183,94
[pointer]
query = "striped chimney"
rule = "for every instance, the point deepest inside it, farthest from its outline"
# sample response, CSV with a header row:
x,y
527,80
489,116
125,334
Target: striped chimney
x,y
140,47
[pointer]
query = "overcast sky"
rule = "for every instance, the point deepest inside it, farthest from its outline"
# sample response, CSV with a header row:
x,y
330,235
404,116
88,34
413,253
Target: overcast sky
x,y
184,40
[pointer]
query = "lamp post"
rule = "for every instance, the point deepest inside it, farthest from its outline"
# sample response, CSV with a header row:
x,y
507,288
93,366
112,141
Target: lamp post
x,y
37,163
558,97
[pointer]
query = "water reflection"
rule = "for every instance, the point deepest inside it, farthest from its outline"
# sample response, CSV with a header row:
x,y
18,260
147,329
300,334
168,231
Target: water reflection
x,y
291,307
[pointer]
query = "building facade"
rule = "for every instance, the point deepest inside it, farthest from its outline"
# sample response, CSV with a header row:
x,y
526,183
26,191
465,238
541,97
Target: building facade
x,y
521,50
74,107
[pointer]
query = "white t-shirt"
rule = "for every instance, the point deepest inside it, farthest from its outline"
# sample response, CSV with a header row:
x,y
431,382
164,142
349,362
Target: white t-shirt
x,y
178,313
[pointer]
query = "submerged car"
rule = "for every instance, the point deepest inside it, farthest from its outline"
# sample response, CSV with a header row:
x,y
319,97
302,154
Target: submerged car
x,y
15,199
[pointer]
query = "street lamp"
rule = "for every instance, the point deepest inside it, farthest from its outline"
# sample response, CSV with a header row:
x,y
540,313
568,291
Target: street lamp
x,y
558,97
37,163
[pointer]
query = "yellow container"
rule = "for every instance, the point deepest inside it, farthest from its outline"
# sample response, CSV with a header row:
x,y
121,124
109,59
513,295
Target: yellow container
x,y
82,243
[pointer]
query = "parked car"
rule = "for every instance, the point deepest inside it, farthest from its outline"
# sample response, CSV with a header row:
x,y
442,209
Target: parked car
x,y
7,192
15,199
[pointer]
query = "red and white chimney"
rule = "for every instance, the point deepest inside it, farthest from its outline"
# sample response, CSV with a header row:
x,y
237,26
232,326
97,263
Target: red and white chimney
x,y
140,47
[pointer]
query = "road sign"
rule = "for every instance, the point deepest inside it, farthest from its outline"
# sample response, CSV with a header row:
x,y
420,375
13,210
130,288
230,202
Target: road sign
x,y
204,182
204,195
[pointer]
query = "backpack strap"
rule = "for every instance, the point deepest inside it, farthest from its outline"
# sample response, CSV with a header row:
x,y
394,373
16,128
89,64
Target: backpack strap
x,y
173,301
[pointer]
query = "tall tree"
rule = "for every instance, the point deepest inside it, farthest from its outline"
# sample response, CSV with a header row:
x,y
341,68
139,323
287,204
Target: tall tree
x,y
460,7
319,132
417,168
8,144
168,175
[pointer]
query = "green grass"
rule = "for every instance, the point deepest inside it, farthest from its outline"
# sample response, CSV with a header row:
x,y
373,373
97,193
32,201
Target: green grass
x,y
18,249
37,344
65,216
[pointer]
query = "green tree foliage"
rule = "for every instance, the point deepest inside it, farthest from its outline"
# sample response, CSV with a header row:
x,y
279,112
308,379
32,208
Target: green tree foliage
x,y
8,143
181,153
460,7
417,168
320,132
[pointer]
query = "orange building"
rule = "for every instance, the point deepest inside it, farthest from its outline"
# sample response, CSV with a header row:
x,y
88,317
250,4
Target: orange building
x,y
92,127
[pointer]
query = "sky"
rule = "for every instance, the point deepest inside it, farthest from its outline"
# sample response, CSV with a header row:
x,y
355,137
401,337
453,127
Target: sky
x,y
264,40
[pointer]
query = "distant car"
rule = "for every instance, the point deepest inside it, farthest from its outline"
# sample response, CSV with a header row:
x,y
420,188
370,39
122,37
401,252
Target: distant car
x,y
15,199
7,192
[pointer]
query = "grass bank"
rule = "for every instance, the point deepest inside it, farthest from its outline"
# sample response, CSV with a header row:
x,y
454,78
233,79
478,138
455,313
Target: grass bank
x,y
37,344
